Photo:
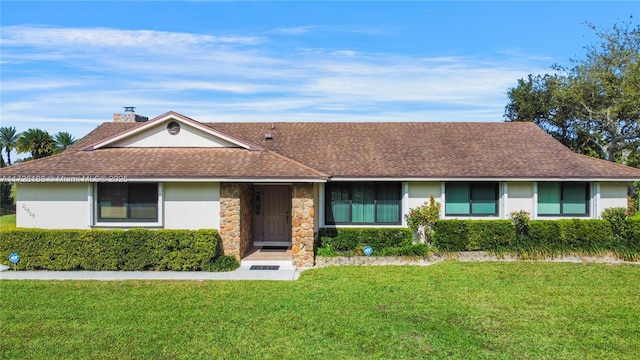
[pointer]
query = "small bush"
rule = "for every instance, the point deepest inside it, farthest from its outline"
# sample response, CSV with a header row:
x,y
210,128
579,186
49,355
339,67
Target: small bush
x,y
617,217
520,220
326,250
224,263
422,218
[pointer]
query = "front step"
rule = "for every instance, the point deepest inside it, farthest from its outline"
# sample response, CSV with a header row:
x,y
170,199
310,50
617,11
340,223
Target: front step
x,y
283,264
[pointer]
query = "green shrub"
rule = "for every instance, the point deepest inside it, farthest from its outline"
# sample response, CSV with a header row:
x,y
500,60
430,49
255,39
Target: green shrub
x,y
543,237
570,236
520,220
451,235
326,250
627,246
350,241
136,249
617,217
224,263
490,235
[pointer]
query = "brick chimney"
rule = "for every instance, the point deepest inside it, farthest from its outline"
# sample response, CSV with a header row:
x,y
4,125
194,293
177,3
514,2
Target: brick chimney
x,y
129,115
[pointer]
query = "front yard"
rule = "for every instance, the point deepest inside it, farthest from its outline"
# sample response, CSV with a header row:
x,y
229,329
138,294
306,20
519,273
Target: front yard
x,y
8,221
450,310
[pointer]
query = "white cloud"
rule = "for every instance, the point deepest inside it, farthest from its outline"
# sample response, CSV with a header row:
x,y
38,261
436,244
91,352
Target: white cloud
x,y
104,37
293,30
80,77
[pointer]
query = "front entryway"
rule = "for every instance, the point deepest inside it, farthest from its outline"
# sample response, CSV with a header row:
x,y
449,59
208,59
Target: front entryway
x,y
272,215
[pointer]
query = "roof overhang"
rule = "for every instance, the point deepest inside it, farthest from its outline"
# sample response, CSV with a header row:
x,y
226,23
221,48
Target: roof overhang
x,y
523,179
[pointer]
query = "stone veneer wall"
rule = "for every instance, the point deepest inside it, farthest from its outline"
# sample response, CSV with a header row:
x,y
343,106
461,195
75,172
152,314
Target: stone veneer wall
x,y
246,218
236,225
302,228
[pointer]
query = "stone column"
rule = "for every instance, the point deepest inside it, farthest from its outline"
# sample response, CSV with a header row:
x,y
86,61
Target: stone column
x,y
302,228
236,222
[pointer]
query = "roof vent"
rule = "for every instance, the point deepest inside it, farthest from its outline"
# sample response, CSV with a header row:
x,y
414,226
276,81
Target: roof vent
x,y
268,136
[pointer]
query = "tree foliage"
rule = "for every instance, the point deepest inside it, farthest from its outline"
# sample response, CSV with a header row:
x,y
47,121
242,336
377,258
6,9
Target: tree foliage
x,y
593,107
37,142
8,139
63,140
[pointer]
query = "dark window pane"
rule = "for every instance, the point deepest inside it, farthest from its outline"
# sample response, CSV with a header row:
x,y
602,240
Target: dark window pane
x,y
483,199
457,199
388,203
112,201
363,203
143,201
549,198
574,199
339,205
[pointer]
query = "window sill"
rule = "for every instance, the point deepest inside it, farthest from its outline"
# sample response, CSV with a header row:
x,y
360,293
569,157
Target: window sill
x,y
336,226
127,225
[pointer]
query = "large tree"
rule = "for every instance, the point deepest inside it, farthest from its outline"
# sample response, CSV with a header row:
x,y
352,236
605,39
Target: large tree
x,y
8,139
593,106
37,142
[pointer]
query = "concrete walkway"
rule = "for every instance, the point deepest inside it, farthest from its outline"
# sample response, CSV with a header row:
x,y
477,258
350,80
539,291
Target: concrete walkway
x,y
242,273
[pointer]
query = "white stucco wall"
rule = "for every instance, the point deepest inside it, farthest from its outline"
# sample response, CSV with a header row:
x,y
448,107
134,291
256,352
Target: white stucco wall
x,y
419,193
53,206
192,206
158,136
612,194
519,197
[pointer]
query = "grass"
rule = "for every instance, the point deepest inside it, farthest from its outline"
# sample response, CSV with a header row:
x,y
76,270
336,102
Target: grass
x,y
451,310
636,216
8,221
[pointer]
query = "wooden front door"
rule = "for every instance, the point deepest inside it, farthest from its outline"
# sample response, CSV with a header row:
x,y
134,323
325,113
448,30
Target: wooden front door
x,y
272,218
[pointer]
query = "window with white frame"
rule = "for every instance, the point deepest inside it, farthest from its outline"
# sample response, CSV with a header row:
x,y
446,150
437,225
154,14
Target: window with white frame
x,y
363,203
563,199
127,202
471,198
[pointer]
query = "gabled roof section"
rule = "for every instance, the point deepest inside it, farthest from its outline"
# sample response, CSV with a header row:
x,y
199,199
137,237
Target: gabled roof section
x,y
129,135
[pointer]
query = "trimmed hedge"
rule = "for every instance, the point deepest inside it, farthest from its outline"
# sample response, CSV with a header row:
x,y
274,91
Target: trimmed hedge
x,y
543,238
473,235
351,241
129,250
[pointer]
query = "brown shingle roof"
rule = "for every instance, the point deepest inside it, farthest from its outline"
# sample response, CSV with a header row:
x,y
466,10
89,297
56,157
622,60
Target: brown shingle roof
x,y
164,163
514,150
349,150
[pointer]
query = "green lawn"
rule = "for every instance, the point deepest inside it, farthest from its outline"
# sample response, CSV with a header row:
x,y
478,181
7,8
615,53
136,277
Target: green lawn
x,y
504,310
8,221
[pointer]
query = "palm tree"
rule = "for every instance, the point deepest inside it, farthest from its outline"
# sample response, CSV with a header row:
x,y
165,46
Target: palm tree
x,y
62,141
8,139
37,142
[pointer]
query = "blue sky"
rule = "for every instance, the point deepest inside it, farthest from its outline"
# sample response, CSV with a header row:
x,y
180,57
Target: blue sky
x,y
68,66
